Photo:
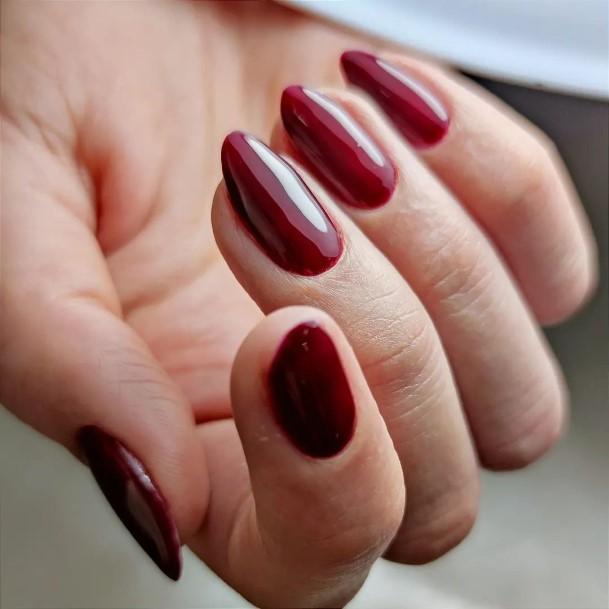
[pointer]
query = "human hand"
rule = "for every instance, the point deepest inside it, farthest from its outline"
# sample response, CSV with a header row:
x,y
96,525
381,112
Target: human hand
x,y
119,311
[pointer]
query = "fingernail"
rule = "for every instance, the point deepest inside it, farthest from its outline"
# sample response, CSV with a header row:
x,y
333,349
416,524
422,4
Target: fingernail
x,y
134,497
277,207
310,394
414,110
351,164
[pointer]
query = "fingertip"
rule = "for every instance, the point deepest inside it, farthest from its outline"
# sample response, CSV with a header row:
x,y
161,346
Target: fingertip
x,y
555,306
308,421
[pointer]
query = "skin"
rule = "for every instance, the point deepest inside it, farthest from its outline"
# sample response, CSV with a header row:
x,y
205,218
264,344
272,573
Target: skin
x,y
120,310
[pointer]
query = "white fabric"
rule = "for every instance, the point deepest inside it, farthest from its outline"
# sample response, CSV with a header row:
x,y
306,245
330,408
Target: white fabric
x,y
560,45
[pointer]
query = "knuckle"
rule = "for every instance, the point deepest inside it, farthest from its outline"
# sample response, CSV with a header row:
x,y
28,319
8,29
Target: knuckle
x,y
536,203
574,283
573,280
537,183
403,362
535,178
448,524
461,277
532,430
523,450
401,343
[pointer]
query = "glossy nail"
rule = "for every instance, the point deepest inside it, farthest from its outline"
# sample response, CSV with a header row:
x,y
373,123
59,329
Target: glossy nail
x,y
310,394
339,150
277,207
415,111
134,497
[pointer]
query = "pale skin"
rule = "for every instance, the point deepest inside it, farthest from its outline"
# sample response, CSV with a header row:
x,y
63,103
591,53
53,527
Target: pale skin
x,y
119,308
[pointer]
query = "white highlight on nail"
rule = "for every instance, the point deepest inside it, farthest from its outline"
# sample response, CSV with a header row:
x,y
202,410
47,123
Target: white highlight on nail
x,y
350,126
291,183
429,99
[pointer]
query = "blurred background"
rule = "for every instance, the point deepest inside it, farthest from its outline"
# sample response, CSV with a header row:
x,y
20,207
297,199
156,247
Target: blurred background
x,y
541,541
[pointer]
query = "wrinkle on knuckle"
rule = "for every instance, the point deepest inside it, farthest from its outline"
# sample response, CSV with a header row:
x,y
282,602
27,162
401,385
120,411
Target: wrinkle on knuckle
x,y
402,360
463,278
441,531
376,308
396,337
414,407
523,434
536,434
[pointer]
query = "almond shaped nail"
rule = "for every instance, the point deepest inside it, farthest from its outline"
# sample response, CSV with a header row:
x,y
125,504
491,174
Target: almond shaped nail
x,y
338,148
277,208
414,110
134,497
310,393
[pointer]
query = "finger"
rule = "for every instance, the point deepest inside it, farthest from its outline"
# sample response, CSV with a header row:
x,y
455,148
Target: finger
x,y
72,369
505,171
328,494
507,379
392,336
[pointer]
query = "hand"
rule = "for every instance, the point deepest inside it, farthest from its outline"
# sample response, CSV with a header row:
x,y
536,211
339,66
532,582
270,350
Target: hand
x,y
122,322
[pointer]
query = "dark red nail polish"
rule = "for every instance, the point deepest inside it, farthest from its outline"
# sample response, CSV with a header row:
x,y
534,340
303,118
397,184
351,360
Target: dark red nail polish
x,y
278,208
134,497
337,147
310,394
416,112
